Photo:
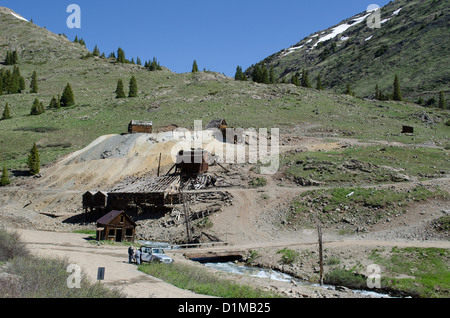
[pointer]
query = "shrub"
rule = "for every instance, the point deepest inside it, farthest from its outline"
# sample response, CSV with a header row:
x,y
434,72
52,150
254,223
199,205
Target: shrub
x,y
11,246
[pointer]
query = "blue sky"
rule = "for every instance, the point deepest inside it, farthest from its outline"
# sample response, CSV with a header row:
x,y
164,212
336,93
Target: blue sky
x,y
218,34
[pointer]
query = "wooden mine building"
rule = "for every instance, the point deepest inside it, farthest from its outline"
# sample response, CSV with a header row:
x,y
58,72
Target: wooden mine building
x,y
194,161
116,226
137,126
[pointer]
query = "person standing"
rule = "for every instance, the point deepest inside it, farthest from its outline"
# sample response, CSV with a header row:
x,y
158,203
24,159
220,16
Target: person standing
x,y
137,255
130,255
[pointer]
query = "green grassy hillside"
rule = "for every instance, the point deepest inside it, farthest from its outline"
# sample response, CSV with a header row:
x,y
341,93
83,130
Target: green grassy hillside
x,y
168,98
412,42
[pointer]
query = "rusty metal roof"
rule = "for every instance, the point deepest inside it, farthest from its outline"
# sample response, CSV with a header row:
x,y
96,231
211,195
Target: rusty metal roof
x,y
107,218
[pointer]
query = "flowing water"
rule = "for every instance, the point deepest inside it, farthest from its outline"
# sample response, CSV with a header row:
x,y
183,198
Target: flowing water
x,y
232,267
236,268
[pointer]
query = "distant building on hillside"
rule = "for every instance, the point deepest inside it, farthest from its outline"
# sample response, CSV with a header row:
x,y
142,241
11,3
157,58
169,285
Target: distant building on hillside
x,y
137,126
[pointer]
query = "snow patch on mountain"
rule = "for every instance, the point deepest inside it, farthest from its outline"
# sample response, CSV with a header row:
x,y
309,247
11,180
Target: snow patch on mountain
x,y
341,29
18,16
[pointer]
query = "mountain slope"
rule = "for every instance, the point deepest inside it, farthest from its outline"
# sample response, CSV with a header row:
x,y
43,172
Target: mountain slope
x,y
33,43
168,98
412,42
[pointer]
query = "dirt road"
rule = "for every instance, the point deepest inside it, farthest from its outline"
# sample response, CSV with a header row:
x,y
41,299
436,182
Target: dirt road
x,y
118,273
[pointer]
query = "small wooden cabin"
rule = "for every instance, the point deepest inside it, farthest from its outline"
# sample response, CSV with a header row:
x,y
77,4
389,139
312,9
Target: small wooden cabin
x,y
116,226
137,126
407,130
194,161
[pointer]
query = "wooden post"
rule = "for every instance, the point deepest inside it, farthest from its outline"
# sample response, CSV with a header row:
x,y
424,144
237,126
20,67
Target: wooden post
x,y
319,230
186,217
159,164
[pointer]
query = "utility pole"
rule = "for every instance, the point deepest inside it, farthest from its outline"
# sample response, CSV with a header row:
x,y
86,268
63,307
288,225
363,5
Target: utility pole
x,y
319,230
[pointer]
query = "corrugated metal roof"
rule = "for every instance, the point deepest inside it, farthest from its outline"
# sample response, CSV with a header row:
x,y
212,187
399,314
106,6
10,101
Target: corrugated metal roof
x,y
107,218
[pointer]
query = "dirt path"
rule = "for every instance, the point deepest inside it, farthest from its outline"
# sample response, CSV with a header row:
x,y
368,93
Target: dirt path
x,y
118,273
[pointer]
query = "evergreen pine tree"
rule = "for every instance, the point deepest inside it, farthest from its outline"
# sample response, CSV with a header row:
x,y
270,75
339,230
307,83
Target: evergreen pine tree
x,y
4,181
37,108
33,160
120,93
2,73
295,80
15,57
194,67
6,113
271,75
138,61
397,95
257,74
377,92
34,83
8,58
264,75
348,90
53,103
442,100
67,97
319,83
120,55
96,51
133,87
7,79
305,79
238,76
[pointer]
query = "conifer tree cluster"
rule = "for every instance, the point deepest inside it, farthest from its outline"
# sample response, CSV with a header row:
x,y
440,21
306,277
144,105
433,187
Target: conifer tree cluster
x,y
303,80
12,58
153,65
133,88
239,75
11,83
260,74
80,41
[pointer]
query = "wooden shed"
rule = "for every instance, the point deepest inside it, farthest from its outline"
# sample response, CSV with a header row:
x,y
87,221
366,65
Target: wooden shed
x,y
100,199
88,200
116,226
137,126
194,161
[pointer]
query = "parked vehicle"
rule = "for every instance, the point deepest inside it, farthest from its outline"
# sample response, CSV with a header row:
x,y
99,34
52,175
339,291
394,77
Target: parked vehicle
x,y
154,254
